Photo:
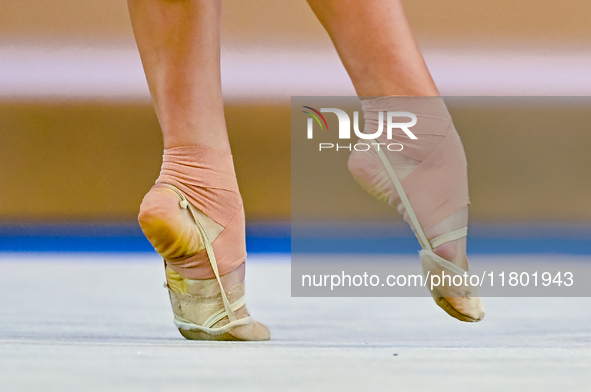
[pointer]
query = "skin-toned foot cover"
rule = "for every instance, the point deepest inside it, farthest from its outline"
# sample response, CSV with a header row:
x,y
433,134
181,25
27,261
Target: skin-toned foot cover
x,y
194,218
428,183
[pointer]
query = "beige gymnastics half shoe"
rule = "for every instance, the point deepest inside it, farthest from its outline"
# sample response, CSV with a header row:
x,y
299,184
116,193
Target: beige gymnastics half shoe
x,y
204,309
462,301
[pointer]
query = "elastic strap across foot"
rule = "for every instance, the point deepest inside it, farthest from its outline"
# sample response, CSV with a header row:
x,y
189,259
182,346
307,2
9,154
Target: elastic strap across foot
x,y
187,325
448,237
425,243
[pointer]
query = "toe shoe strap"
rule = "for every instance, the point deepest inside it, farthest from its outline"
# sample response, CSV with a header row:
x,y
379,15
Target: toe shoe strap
x,y
425,243
448,237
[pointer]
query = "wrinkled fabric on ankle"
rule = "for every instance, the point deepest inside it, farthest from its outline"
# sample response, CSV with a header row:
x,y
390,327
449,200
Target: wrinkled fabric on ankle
x,y
438,187
206,177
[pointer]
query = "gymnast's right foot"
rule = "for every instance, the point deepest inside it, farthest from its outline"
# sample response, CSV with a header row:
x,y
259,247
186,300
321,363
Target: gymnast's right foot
x,y
427,182
197,226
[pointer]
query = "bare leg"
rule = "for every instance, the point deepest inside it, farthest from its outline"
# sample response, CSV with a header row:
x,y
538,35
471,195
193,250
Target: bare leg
x,y
376,46
179,42
375,43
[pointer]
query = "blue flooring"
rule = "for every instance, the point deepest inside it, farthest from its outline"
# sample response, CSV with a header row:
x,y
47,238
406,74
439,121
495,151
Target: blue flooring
x,y
276,238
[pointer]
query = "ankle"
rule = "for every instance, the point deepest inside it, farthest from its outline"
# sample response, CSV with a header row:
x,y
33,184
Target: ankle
x,y
220,142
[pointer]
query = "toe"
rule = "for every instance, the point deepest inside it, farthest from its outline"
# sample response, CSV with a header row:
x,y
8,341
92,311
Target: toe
x,y
253,331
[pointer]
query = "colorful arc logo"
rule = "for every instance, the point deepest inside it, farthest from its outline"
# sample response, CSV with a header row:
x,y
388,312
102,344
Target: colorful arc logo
x,y
316,116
